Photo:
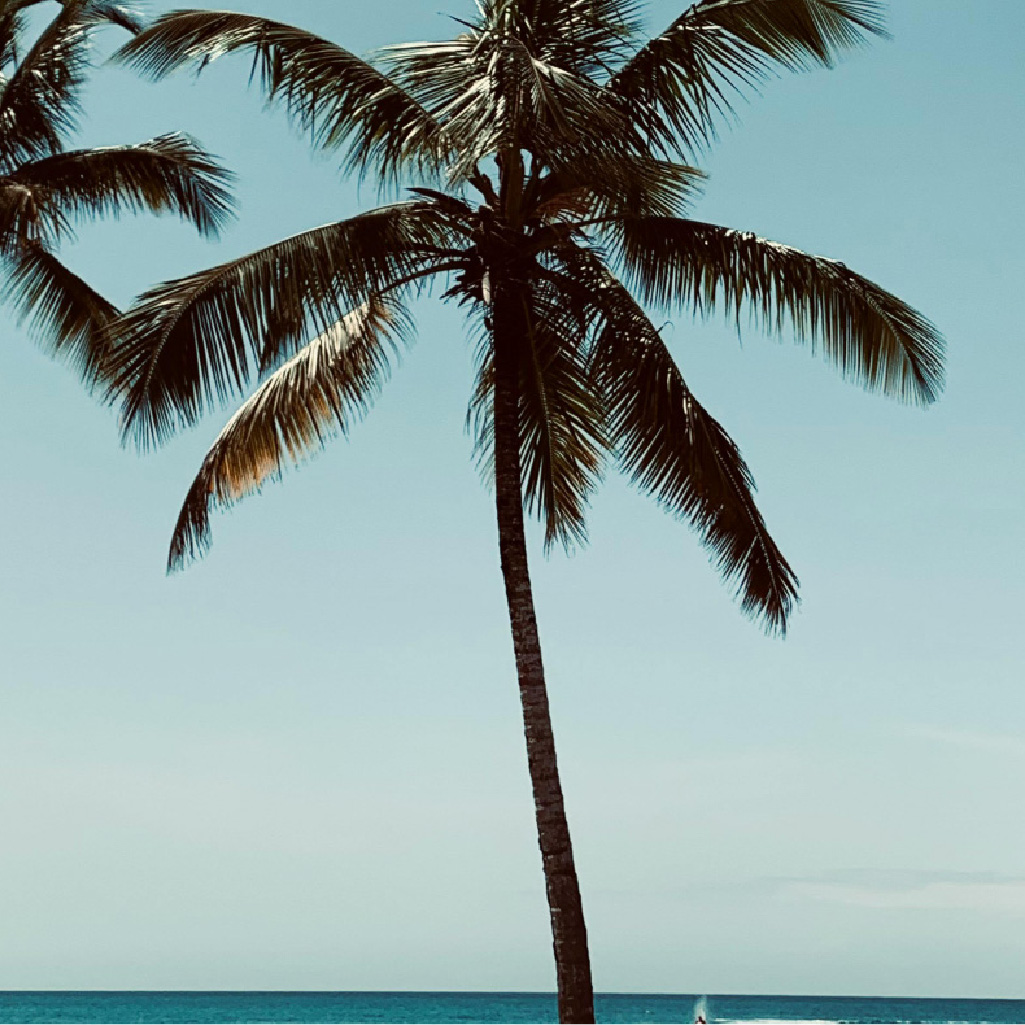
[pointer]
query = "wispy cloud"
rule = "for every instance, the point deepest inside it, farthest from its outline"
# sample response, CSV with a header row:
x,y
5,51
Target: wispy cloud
x,y
968,740
924,891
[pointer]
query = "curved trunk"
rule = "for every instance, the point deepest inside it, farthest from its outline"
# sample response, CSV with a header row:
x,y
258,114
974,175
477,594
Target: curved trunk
x,y
569,934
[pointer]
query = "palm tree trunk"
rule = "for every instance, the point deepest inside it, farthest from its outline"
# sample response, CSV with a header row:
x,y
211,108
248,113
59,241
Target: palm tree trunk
x,y
569,934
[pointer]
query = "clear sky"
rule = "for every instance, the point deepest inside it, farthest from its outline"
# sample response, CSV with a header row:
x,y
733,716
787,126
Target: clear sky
x,y
300,765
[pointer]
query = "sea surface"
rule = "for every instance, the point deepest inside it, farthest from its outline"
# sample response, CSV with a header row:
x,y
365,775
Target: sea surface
x,y
494,1007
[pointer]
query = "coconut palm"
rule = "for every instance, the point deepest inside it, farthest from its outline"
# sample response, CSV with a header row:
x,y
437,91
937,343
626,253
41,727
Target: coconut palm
x,y
45,188
547,152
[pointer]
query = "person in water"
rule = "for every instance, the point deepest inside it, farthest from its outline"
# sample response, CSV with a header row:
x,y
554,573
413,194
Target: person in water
x,y
700,1020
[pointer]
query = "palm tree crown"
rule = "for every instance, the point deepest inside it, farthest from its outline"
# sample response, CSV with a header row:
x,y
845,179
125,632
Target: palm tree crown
x,y
554,152
548,153
45,188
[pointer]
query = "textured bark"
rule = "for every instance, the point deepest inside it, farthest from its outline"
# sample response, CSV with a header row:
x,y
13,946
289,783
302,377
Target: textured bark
x,y
569,934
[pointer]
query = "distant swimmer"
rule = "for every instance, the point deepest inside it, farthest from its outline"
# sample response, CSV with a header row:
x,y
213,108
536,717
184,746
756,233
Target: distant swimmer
x,y
701,1011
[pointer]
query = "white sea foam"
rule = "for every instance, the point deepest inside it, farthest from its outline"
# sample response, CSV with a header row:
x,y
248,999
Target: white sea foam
x,y
780,1021
829,1021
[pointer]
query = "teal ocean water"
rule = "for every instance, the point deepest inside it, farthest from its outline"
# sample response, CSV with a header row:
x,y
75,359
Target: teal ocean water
x,y
494,1007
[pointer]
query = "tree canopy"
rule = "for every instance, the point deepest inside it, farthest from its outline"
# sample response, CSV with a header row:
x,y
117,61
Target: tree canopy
x,y
550,155
46,188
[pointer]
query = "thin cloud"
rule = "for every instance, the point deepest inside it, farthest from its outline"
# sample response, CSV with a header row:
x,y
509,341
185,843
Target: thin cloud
x,y
921,891
967,740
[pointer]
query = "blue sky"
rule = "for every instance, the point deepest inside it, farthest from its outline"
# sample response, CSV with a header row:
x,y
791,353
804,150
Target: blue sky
x,y
299,764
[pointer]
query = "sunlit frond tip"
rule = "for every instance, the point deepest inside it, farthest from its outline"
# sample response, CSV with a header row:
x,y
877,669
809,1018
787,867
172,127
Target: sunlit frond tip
x,y
330,383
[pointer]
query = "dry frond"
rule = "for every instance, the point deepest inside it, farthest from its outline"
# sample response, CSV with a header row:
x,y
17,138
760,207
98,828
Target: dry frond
x,y
191,342
321,389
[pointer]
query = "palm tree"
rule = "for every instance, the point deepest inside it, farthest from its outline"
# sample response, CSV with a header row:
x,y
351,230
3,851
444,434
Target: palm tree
x,y
546,152
45,188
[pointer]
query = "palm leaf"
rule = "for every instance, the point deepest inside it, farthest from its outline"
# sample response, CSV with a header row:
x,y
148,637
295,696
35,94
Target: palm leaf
x,y
168,174
872,336
677,84
495,93
12,25
192,341
28,215
561,419
39,102
331,93
674,450
92,12
323,388
121,15
562,422
65,313
582,36
590,187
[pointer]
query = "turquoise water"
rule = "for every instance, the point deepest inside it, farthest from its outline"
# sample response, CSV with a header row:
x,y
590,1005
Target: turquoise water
x,y
491,1007
425,1008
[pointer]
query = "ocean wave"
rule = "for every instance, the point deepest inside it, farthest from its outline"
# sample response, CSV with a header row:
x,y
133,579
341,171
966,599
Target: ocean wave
x,y
783,1021
845,1021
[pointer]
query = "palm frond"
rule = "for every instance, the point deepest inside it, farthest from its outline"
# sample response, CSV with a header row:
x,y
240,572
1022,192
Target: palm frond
x,y
585,37
120,15
190,342
91,12
331,93
28,215
454,81
680,82
674,450
561,419
595,186
874,338
168,174
12,26
494,94
39,102
323,388
67,315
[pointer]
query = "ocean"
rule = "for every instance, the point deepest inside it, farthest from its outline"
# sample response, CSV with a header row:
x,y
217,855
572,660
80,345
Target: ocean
x,y
493,1007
